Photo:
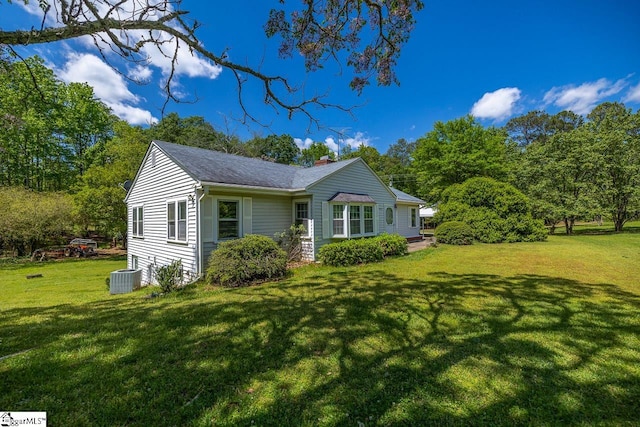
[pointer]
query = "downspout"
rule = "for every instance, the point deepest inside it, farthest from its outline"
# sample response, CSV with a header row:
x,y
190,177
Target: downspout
x,y
200,249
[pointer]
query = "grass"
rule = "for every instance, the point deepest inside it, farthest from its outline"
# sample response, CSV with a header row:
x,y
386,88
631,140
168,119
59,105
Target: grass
x,y
541,333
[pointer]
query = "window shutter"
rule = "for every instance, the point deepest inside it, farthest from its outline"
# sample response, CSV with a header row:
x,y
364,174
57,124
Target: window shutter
x,y
376,226
409,218
326,221
246,216
206,212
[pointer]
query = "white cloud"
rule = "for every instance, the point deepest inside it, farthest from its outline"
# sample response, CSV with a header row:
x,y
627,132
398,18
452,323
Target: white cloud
x,y
108,85
633,95
133,115
332,144
140,74
302,144
497,105
356,141
582,99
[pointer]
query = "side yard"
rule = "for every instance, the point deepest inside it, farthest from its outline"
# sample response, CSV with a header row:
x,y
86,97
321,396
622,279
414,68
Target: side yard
x,y
540,333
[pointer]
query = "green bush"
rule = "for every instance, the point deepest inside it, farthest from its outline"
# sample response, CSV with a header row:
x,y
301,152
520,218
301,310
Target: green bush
x,y
351,252
169,277
495,211
361,251
454,233
250,259
392,244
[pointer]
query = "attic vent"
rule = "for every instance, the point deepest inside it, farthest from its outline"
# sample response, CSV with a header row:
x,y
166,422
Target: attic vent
x,y
153,159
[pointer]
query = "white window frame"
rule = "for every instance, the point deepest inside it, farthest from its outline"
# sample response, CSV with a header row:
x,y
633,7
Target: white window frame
x,y
137,221
176,218
346,219
238,219
303,221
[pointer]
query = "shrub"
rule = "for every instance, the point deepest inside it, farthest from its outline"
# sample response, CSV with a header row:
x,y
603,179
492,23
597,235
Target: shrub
x,y
495,211
250,259
392,244
291,241
351,252
169,277
454,233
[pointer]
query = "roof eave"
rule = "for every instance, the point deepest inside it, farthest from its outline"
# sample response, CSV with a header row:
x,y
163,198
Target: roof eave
x,y
253,188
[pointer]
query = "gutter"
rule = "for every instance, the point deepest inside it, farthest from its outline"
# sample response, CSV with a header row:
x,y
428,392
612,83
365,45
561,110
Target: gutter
x,y
200,251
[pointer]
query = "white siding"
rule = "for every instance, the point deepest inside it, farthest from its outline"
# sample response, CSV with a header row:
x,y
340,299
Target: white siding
x,y
356,178
155,185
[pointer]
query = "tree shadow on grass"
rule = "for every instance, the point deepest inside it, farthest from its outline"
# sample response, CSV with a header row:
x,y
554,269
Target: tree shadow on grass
x,y
354,346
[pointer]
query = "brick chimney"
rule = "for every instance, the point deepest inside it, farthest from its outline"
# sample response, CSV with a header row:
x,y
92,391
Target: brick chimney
x,y
324,160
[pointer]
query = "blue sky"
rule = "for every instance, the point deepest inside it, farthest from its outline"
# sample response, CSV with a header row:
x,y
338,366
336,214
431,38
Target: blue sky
x,y
495,60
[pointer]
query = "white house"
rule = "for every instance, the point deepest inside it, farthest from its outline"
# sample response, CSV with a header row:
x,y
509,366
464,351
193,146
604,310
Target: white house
x,y
185,200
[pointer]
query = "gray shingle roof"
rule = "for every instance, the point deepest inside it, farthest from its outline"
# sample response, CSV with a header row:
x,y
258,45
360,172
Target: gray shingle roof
x,y
351,198
401,196
217,167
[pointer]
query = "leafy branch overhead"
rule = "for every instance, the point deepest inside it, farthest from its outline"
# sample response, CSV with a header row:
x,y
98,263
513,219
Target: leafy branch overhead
x,y
370,32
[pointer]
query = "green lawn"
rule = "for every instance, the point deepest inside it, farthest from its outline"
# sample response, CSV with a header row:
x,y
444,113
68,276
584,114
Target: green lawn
x,y
542,333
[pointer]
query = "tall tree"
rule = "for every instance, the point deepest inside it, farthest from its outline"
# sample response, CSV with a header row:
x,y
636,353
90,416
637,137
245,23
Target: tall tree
x,y
314,152
396,166
195,131
277,148
372,33
530,127
49,127
558,177
30,154
99,196
616,132
84,122
367,153
456,151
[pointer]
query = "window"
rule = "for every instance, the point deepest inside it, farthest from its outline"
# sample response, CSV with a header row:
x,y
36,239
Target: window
x,y
228,220
414,215
137,229
177,220
301,215
338,220
389,216
368,219
354,220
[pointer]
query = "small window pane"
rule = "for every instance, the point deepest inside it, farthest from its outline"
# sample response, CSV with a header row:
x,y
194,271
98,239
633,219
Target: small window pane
x,y
354,216
227,210
171,220
368,219
182,210
338,220
228,229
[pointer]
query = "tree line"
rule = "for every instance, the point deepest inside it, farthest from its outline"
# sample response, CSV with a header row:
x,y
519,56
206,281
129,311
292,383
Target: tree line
x,y
64,157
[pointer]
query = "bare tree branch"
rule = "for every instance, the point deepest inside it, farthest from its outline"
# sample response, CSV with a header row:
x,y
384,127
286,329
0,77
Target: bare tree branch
x,y
320,31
